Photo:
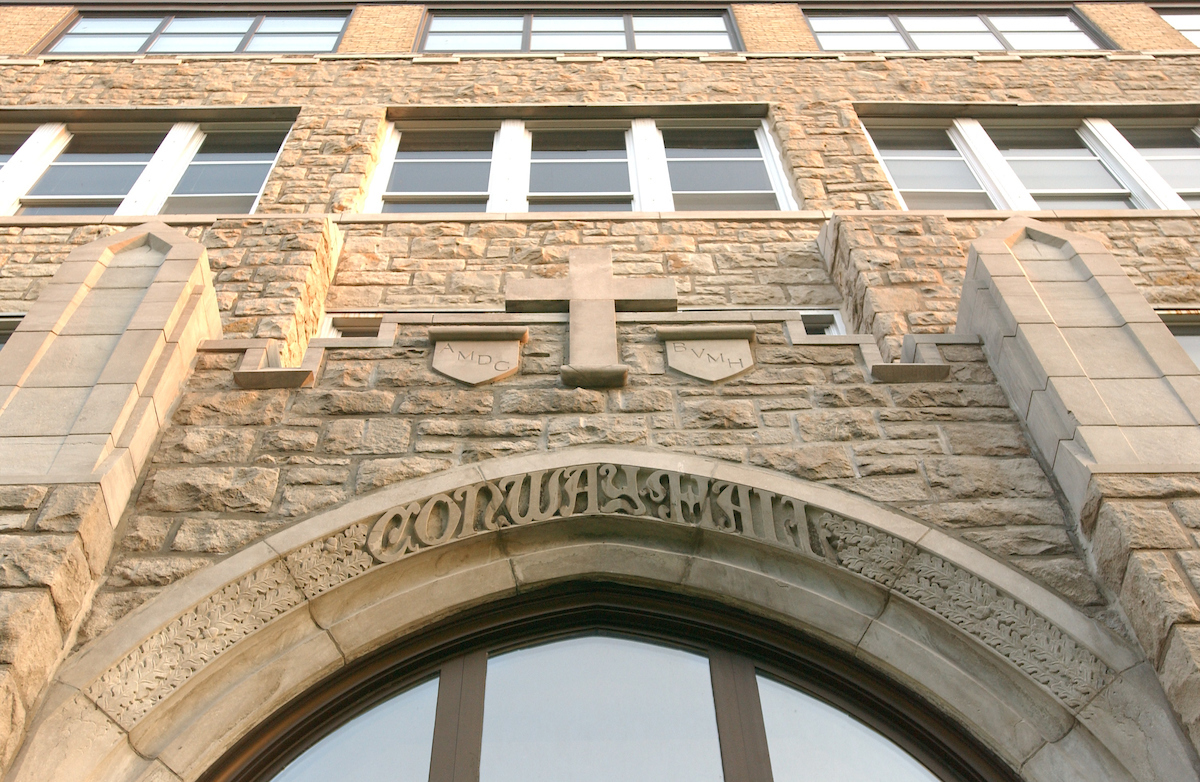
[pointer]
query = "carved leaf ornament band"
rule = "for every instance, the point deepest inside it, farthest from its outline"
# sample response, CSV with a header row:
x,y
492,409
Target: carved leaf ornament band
x,y
163,662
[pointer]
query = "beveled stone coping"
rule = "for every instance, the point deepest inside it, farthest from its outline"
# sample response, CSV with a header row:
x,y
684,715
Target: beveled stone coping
x,y
666,333
1120,732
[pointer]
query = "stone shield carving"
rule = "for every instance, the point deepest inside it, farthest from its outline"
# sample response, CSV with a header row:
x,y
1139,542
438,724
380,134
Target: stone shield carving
x,y
478,354
709,352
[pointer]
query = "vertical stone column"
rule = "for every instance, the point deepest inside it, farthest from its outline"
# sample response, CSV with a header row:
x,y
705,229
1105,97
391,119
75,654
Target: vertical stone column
x,y
1112,401
86,383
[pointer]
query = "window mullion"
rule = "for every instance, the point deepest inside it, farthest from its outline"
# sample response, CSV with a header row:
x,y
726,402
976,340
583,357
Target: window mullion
x,y
250,33
527,33
994,30
908,39
150,39
508,180
164,170
29,162
773,161
648,168
458,721
995,174
740,727
630,39
383,171
1134,171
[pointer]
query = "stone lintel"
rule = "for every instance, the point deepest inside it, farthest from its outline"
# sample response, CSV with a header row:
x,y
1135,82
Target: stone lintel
x,y
479,333
595,376
667,333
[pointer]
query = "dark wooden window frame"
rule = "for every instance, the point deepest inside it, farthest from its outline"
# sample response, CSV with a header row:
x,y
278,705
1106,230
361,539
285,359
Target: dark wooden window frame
x,y
1085,26
735,38
169,16
737,645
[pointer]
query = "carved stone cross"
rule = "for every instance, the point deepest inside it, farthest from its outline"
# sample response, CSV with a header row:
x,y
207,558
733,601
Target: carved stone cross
x,y
592,295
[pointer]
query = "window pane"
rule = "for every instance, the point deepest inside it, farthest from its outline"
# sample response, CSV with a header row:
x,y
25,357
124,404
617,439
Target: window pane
x,y
810,740
211,24
302,24
445,24
94,44
579,177
704,42
1050,41
758,202
870,42
196,43
581,206
932,175
292,43
702,175
959,200
65,209
924,139
220,204
662,24
598,710
1025,141
1163,141
713,142
442,144
9,144
96,165
1083,202
942,24
448,177
460,42
1183,21
239,146
957,41
578,24
435,206
597,42
144,25
851,24
222,178
1006,24
390,743
1049,174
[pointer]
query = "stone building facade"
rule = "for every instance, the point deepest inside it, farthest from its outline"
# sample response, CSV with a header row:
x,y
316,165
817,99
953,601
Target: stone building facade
x,y
964,455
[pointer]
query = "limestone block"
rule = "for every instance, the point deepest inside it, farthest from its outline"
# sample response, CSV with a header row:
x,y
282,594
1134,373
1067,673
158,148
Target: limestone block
x,y
1180,674
53,561
223,489
381,472
1134,721
30,640
153,571
718,414
219,536
965,477
1122,527
322,402
812,462
533,402
95,741
836,425
1066,574
80,508
12,718
368,436
1155,597
198,444
232,408
21,497
1077,757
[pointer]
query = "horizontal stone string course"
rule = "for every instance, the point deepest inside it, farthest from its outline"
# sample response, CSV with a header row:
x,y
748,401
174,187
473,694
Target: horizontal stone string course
x,y
166,660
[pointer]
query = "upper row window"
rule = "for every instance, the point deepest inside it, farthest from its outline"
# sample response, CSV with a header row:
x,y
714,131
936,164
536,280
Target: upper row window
x,y
201,35
974,32
1188,24
597,32
215,168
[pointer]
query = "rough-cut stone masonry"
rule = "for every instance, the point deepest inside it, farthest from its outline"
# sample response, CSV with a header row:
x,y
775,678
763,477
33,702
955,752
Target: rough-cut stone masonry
x,y
460,264
381,28
238,464
1134,26
903,274
774,27
27,26
811,98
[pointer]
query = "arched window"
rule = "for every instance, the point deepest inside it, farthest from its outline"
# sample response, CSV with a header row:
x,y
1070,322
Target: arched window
x,y
638,689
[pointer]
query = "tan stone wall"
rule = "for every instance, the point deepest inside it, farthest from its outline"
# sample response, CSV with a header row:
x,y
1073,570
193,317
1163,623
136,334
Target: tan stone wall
x,y
25,26
382,28
1134,26
774,27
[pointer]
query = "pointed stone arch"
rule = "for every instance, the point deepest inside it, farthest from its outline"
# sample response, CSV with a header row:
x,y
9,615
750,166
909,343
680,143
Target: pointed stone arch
x,y
174,684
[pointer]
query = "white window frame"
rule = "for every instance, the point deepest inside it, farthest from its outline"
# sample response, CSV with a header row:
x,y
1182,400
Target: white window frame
x,y
649,178
1147,188
148,193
